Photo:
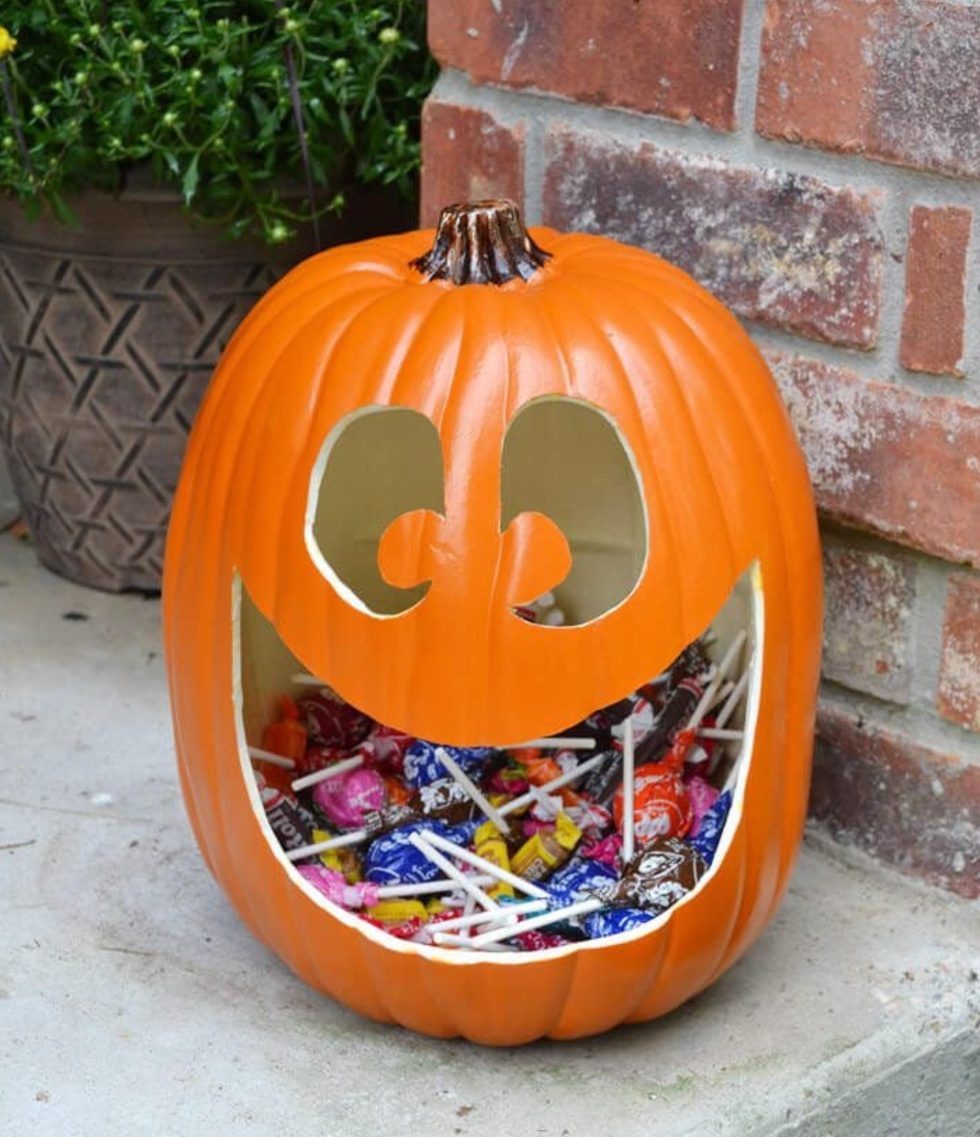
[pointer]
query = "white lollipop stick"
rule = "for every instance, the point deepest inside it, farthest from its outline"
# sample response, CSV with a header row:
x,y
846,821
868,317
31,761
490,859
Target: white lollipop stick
x,y
461,939
461,779
723,692
428,888
508,912
328,772
734,699
720,735
555,783
468,910
450,870
582,908
261,755
555,743
628,788
353,838
482,863
720,675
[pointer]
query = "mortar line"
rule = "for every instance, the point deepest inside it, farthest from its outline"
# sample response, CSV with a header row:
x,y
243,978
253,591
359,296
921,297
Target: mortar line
x,y
894,186
926,730
750,63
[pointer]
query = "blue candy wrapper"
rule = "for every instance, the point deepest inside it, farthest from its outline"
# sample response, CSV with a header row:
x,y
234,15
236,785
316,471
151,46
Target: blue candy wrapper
x,y
422,764
610,921
579,881
393,859
712,827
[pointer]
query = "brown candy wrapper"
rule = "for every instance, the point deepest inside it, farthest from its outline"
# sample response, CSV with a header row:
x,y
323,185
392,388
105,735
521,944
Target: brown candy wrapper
x,y
676,711
442,800
658,875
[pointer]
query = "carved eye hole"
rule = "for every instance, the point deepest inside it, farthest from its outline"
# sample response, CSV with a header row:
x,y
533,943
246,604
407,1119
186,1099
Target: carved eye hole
x,y
377,464
567,460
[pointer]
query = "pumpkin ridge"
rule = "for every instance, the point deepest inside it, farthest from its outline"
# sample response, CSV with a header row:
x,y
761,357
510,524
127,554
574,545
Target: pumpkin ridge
x,y
797,743
223,393
260,437
584,315
652,306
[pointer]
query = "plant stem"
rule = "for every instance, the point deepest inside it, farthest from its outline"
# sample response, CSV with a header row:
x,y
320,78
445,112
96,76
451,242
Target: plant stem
x,y
8,95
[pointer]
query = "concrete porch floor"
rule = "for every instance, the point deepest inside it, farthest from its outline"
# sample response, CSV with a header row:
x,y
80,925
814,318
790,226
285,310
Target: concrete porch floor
x,y
132,1001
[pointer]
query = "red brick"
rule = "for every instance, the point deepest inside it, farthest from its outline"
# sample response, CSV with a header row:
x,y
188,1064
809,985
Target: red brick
x,y
884,458
788,250
897,80
958,690
674,58
912,807
467,156
935,286
868,602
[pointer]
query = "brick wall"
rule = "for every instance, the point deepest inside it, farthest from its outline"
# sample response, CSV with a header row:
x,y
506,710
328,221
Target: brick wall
x,y
816,165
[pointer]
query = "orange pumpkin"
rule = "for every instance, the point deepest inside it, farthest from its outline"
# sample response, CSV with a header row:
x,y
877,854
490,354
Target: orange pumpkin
x,y
396,451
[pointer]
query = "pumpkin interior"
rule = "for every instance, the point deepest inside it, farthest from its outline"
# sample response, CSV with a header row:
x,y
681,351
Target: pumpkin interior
x,y
265,669
562,458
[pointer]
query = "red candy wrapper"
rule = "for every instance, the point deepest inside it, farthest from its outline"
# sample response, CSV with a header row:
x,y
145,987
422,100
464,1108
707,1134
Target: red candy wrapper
x,y
661,804
385,748
318,758
508,780
537,940
330,721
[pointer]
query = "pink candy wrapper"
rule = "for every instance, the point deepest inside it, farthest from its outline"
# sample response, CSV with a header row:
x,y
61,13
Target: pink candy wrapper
x,y
346,798
702,796
334,887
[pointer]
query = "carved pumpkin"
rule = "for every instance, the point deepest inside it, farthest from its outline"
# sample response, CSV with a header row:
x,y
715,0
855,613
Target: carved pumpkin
x,y
396,451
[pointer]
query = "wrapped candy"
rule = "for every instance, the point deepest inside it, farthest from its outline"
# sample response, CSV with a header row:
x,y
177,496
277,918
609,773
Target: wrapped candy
x,y
612,921
329,721
403,919
658,876
703,796
546,850
607,851
287,738
385,748
291,822
346,799
335,887
422,763
393,859
578,881
711,828
661,804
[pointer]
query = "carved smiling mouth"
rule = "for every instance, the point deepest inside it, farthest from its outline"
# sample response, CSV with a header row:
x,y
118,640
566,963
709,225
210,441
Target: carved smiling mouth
x,y
265,669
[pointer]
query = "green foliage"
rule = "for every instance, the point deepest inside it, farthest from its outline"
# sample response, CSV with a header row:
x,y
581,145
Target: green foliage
x,y
199,91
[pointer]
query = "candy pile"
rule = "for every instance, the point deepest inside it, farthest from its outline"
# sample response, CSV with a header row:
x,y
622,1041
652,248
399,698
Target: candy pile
x,y
559,840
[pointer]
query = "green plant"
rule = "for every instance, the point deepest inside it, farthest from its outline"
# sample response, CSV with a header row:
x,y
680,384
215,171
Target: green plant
x,y
210,95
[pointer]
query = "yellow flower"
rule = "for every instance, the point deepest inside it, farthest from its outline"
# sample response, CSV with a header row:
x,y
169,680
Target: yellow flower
x,y
7,43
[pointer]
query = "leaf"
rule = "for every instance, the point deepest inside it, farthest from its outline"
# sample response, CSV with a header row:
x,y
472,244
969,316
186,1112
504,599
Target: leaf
x,y
62,212
189,183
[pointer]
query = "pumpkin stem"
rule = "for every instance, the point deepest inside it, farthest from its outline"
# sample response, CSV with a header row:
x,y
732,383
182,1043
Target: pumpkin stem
x,y
481,242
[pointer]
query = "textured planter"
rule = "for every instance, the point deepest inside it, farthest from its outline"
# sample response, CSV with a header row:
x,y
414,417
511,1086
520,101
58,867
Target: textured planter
x,y
107,340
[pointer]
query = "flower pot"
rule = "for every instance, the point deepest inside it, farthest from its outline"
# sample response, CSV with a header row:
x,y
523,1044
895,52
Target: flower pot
x,y
107,339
